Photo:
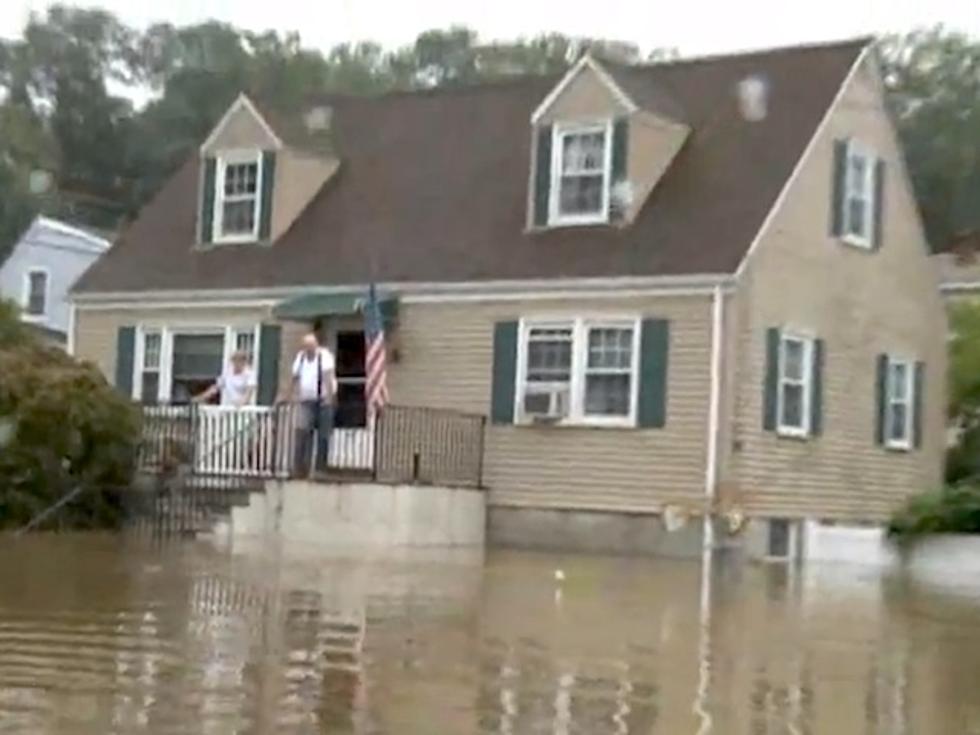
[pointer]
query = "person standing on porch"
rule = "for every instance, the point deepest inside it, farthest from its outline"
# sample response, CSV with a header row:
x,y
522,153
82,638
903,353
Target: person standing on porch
x,y
236,384
314,385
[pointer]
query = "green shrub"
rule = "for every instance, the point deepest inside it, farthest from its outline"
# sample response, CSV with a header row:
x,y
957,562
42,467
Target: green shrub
x,y
953,509
61,427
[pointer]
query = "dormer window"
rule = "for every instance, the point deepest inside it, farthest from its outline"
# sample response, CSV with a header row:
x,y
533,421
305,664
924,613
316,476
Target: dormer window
x,y
237,200
581,162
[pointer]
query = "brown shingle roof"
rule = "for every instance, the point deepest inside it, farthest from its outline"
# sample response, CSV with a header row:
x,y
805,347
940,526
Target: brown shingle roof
x,y
433,187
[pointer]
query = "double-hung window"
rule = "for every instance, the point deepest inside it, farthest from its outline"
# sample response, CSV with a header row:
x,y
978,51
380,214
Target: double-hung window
x,y
579,371
150,361
581,160
899,390
859,188
237,197
795,376
36,293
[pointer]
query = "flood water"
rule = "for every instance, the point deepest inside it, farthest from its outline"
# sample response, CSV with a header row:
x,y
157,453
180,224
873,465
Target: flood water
x,y
102,634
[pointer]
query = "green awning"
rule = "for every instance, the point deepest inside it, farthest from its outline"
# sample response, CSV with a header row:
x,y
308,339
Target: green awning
x,y
309,306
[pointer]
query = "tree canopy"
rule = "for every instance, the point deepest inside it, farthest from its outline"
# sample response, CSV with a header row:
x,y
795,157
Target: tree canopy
x,y
66,88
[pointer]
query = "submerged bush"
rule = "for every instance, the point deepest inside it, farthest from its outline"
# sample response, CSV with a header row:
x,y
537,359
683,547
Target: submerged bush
x,y
953,509
61,427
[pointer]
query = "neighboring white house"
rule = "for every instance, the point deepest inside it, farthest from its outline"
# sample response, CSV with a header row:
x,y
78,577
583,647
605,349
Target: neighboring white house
x,y
41,269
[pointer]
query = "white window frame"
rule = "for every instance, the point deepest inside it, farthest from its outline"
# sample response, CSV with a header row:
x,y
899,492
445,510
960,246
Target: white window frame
x,y
140,362
859,150
559,132
806,383
26,297
904,444
580,327
167,334
235,158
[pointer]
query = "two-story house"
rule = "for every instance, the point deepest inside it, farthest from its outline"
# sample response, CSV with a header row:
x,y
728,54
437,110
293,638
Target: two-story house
x,y
690,288
40,270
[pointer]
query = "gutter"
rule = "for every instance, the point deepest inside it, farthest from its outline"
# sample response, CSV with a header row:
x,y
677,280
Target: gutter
x,y
714,415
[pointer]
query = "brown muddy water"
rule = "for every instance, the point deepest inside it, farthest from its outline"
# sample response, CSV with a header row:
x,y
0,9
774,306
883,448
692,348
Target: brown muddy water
x,y
102,634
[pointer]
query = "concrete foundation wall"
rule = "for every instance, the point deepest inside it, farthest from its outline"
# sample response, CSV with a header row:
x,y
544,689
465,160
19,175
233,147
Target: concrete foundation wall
x,y
364,515
589,531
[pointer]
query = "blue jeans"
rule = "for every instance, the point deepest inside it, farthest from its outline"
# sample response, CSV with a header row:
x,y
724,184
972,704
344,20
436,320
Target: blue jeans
x,y
315,425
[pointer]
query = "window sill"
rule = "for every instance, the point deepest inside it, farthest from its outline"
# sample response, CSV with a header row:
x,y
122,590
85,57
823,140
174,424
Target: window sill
x,y
801,435
577,221
858,243
901,448
33,318
236,240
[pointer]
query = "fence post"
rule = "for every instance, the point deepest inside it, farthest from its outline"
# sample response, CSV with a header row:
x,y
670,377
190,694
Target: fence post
x,y
378,421
482,444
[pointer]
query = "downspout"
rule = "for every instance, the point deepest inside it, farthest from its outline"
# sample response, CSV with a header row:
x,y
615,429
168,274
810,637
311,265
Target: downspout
x,y
70,342
714,415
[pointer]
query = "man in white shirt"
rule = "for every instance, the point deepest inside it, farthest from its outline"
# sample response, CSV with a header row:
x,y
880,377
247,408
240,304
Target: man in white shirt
x,y
236,384
314,385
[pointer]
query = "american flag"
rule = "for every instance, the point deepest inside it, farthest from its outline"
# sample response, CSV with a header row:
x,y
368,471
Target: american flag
x,y
376,386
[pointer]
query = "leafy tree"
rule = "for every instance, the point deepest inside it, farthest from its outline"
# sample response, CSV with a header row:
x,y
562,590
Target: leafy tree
x,y
61,427
933,82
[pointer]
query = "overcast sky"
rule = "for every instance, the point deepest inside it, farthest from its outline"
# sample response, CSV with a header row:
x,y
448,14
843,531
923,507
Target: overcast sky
x,y
691,27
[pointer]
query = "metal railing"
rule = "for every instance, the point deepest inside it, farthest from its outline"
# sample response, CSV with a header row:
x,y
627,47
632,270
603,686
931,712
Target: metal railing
x,y
429,446
403,444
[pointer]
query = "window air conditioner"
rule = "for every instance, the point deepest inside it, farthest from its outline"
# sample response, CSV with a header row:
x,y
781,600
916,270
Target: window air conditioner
x,y
546,404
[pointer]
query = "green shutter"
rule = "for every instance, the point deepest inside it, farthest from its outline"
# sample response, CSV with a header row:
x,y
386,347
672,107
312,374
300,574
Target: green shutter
x,y
881,378
504,372
620,143
879,203
270,340
125,359
770,383
542,176
620,147
654,348
268,182
207,201
917,401
837,188
816,389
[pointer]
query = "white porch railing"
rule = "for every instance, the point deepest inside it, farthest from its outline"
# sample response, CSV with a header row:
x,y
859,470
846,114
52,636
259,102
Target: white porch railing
x,y
251,441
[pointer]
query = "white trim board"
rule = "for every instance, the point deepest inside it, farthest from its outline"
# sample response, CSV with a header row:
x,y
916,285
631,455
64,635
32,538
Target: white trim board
x,y
526,288
803,160
241,101
604,77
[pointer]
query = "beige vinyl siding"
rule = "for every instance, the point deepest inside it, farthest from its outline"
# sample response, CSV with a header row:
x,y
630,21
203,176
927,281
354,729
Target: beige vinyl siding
x,y
242,130
584,98
861,304
96,329
299,176
653,143
445,361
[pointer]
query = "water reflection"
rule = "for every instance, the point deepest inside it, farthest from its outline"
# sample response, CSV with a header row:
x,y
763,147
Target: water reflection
x,y
108,635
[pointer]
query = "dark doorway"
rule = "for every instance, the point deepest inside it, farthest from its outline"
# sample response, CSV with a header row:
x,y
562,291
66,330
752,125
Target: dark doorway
x,y
351,407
